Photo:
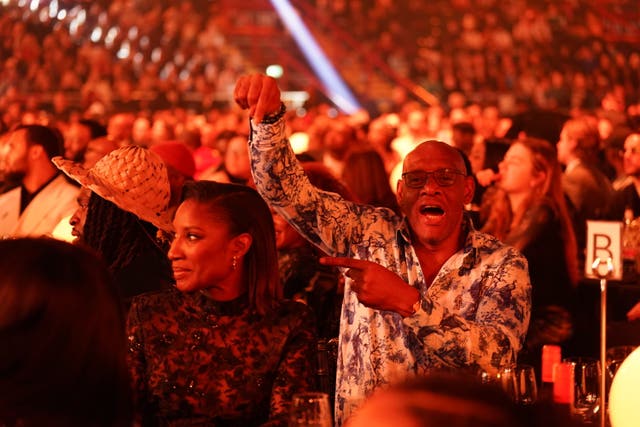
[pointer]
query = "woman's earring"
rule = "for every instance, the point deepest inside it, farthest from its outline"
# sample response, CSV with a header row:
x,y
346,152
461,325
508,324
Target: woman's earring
x,y
234,262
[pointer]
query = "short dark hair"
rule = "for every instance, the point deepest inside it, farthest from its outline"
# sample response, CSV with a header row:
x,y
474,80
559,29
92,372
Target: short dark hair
x,y
467,163
464,127
96,129
49,138
471,402
63,358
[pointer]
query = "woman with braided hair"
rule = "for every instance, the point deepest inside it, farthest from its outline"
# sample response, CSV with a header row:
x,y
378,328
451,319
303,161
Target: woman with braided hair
x,y
122,207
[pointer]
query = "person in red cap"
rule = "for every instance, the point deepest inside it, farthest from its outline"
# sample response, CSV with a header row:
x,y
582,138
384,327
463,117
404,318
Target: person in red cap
x,y
180,165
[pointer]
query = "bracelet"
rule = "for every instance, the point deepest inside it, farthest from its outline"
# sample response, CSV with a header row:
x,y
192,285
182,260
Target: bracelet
x,y
416,306
273,118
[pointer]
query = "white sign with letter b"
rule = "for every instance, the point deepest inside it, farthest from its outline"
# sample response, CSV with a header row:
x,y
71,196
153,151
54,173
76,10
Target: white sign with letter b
x,y
604,241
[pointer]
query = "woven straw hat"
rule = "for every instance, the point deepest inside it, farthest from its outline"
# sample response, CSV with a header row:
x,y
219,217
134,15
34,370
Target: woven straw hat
x,y
132,177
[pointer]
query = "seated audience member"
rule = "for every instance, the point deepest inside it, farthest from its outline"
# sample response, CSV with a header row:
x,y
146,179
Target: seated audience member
x,y
587,188
63,357
180,166
6,182
302,276
235,167
221,348
528,211
627,196
77,137
340,137
97,149
44,197
127,206
120,127
485,157
613,152
423,289
463,136
379,135
366,178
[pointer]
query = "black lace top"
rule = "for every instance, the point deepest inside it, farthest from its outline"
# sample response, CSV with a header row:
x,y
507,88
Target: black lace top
x,y
196,361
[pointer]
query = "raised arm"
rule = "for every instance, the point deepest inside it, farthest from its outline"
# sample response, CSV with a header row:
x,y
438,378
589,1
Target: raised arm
x,y
323,218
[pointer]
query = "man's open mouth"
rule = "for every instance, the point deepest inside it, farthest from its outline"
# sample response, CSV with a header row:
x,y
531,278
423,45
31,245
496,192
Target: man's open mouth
x,y
431,210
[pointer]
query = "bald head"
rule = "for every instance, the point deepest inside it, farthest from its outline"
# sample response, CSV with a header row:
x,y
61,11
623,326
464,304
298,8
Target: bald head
x,y
427,149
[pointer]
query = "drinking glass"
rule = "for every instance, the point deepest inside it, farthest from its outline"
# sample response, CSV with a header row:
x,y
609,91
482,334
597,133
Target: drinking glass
x,y
615,356
507,379
586,396
310,410
526,385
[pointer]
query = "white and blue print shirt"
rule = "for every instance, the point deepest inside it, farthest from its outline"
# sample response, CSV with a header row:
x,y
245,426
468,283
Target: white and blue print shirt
x,y
474,315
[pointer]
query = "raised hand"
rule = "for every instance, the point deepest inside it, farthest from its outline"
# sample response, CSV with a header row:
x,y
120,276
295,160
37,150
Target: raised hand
x,y
258,93
376,286
486,177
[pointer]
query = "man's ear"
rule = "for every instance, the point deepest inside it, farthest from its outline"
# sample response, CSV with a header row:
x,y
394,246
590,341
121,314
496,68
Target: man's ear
x,y
399,190
36,151
469,189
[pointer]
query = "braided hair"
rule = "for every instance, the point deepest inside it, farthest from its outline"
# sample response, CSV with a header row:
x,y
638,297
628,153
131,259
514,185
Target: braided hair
x,y
117,234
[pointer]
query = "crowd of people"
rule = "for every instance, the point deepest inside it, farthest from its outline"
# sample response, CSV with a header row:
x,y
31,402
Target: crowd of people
x,y
426,281
563,55
419,241
143,56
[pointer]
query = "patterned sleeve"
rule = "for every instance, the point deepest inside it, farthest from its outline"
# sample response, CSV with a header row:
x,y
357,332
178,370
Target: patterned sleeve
x,y
324,218
136,359
296,371
494,336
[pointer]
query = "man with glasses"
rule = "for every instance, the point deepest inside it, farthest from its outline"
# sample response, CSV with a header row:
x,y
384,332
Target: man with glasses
x,y
628,196
424,290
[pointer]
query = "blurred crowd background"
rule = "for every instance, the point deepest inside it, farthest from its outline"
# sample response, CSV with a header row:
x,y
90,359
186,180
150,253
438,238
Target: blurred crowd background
x,y
100,57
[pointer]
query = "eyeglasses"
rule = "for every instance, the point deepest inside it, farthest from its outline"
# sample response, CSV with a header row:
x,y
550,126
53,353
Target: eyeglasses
x,y
632,150
443,177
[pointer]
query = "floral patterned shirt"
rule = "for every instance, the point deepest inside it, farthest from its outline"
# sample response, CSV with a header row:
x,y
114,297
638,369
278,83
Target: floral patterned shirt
x,y
199,362
475,314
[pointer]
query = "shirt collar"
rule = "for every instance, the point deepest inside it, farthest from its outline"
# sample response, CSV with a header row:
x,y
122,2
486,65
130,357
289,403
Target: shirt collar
x,y
469,249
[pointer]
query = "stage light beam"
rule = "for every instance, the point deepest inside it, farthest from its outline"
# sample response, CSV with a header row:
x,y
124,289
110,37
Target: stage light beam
x,y
337,90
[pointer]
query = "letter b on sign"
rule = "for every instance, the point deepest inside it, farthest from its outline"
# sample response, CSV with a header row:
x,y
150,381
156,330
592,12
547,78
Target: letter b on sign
x,y
604,240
